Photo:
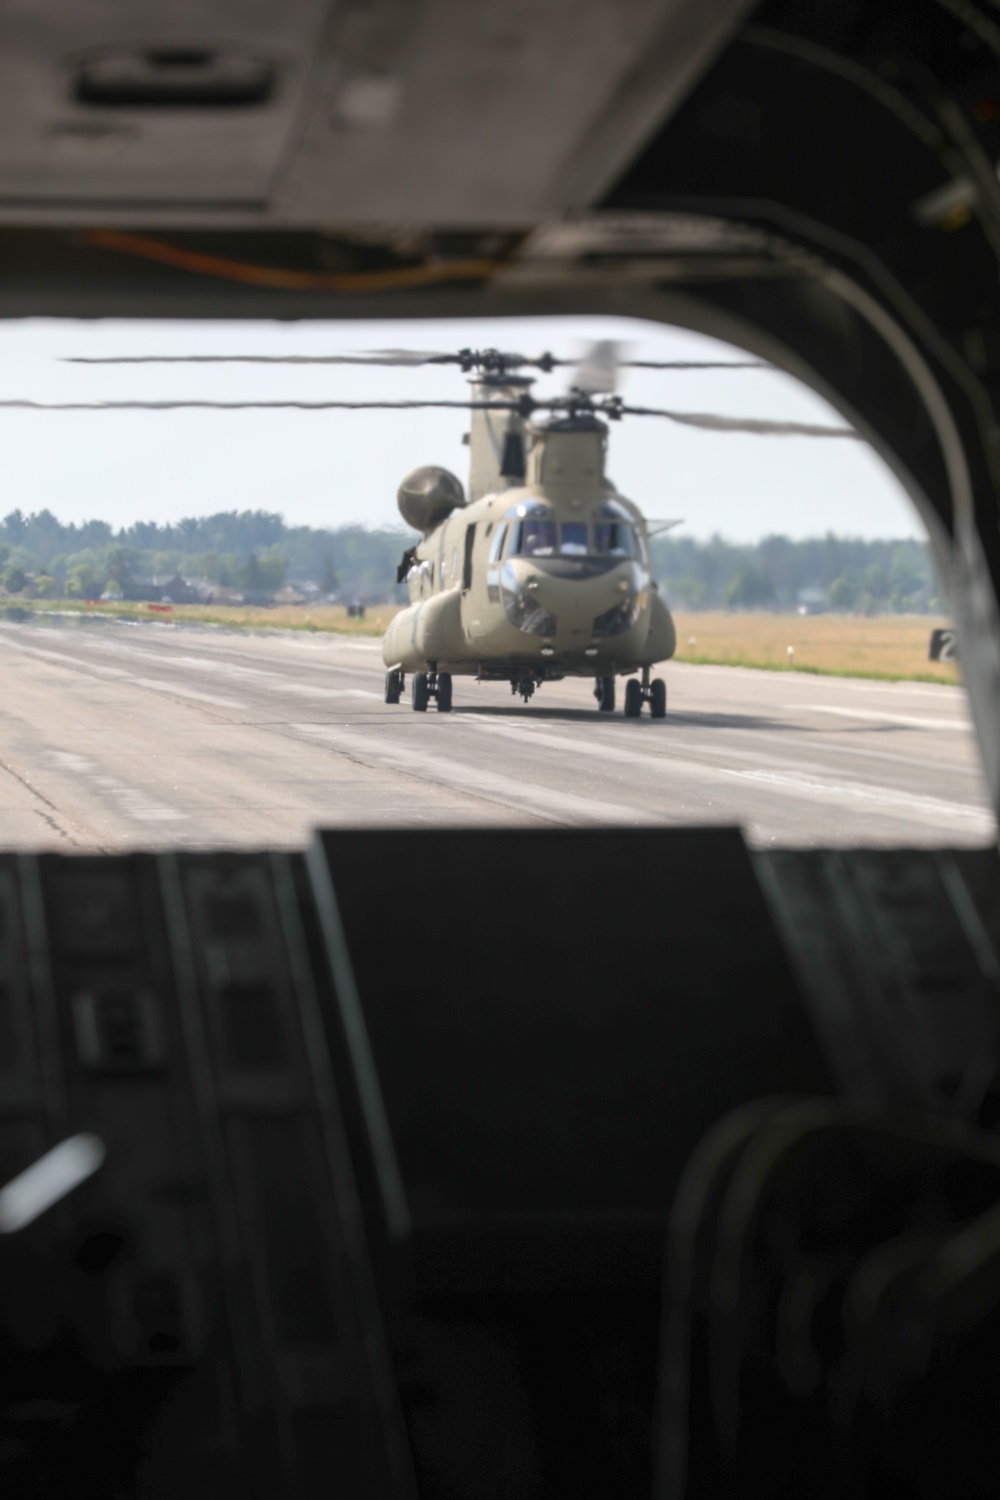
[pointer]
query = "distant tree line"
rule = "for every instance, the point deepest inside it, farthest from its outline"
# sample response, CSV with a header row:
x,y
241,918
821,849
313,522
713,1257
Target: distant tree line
x,y
839,573
250,551
256,552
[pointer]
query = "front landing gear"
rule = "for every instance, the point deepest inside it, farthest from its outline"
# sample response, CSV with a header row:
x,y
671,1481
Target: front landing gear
x,y
604,692
428,685
394,684
654,693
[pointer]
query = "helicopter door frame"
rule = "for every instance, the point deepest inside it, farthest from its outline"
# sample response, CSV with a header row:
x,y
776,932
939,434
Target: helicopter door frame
x,y
470,542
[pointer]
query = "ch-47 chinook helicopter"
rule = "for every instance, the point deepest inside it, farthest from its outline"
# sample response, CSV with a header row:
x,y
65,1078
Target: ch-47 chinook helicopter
x,y
543,571
540,572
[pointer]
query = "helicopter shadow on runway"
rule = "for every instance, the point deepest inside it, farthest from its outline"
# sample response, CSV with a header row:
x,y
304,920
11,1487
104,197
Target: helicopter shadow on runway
x,y
692,719
594,716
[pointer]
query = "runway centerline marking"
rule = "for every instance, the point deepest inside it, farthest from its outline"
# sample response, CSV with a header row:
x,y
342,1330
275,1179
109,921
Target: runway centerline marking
x,y
118,674
796,781
911,721
880,796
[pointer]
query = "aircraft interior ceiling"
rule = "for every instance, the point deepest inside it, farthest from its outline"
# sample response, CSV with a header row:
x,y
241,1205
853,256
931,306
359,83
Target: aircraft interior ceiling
x,y
817,183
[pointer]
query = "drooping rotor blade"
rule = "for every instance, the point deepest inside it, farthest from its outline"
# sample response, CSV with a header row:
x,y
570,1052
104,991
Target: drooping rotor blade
x,y
656,528
760,426
612,408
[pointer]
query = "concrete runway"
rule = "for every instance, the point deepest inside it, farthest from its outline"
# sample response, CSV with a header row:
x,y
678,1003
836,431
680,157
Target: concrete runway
x,y
114,736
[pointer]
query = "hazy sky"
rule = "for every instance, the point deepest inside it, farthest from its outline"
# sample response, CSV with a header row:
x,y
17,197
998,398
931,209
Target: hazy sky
x,y
331,468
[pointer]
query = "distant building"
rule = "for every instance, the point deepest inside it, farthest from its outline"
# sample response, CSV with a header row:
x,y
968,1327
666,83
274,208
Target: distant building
x,y
177,590
812,601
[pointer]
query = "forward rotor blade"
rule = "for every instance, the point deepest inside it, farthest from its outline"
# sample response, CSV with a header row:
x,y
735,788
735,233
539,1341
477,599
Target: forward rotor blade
x,y
252,405
695,364
759,426
402,357
466,358
379,357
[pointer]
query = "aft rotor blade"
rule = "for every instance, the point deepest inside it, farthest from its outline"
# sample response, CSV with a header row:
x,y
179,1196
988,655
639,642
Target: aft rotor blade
x,y
709,421
760,426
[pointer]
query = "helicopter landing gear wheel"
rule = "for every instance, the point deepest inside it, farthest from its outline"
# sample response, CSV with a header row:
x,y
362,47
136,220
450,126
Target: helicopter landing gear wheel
x,y
419,692
658,699
604,692
393,686
444,692
633,699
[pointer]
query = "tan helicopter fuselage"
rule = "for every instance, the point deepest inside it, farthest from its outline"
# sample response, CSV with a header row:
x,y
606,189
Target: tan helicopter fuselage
x,y
551,576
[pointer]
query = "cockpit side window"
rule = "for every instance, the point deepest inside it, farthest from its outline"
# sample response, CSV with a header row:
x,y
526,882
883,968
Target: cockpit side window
x,y
496,546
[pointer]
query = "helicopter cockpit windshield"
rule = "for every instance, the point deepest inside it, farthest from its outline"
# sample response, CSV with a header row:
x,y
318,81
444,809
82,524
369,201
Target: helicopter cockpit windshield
x,y
535,533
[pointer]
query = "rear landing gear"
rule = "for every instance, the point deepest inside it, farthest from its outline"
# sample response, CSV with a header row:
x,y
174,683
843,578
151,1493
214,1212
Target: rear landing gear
x,y
394,683
428,685
604,692
654,693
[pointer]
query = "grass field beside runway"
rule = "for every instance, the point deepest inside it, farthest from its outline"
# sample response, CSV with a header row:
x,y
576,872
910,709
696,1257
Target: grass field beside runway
x,y
892,647
309,617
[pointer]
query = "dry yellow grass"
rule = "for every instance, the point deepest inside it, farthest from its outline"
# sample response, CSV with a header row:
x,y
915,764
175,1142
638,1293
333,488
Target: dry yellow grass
x,y
885,646
318,617
889,646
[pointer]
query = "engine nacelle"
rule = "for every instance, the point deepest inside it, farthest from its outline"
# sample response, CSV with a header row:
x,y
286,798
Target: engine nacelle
x,y
428,496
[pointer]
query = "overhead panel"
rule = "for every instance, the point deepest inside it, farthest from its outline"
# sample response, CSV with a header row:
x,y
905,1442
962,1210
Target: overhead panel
x,y
136,105
309,114
474,113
